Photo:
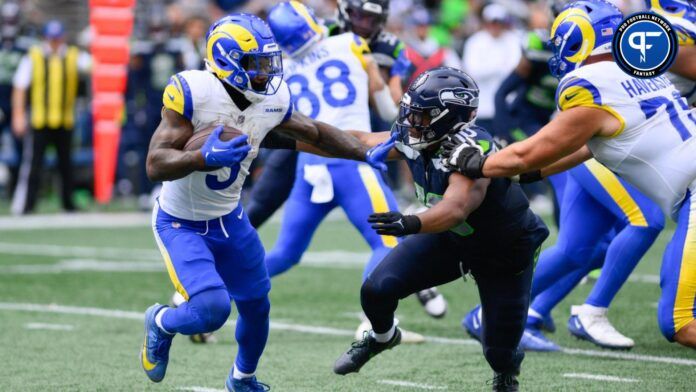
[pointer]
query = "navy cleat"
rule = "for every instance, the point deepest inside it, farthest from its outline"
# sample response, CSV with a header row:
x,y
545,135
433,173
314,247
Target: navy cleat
x,y
249,384
154,355
534,340
545,324
362,351
472,323
505,382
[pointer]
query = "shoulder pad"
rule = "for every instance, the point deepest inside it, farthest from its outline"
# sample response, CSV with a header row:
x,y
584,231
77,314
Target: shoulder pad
x,y
178,97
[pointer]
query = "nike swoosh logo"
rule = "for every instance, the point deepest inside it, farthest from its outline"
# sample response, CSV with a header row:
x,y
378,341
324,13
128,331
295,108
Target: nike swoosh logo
x,y
218,149
170,96
147,365
240,214
476,323
571,96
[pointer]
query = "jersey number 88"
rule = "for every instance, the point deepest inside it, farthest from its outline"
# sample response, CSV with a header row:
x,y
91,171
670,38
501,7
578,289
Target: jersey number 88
x,y
328,82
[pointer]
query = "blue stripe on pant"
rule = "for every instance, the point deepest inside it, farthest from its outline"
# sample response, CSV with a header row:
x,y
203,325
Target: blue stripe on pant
x,y
357,188
604,220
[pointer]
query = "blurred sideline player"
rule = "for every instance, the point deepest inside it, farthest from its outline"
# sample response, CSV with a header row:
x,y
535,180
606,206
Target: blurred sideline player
x,y
213,255
330,79
643,130
481,226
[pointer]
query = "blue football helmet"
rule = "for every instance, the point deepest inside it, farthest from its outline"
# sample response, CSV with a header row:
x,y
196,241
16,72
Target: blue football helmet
x,y
678,8
584,27
438,102
295,27
241,51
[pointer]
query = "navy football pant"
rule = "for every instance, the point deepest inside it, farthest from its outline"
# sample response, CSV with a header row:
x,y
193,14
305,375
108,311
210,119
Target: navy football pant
x,y
273,187
429,260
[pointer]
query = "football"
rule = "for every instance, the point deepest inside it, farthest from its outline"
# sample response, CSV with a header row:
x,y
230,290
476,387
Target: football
x,y
198,139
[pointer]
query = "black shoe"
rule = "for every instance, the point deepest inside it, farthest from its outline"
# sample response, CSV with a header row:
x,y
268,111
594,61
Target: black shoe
x,y
505,382
362,351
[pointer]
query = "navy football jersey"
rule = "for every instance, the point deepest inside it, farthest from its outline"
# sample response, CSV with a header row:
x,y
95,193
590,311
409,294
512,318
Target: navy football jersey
x,y
505,208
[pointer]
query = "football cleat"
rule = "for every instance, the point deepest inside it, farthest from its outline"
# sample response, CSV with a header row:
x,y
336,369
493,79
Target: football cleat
x,y
590,323
472,323
407,337
544,323
362,351
250,384
433,302
534,340
200,338
505,382
154,355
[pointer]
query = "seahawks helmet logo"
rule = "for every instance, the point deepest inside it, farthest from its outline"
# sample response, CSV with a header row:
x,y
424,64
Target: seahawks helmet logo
x,y
459,96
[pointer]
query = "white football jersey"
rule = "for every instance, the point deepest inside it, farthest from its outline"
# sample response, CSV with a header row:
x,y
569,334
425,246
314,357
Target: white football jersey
x,y
329,83
655,149
201,97
686,32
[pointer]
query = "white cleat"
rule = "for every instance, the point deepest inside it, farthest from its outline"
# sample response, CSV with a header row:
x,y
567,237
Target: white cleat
x,y
590,323
406,336
433,302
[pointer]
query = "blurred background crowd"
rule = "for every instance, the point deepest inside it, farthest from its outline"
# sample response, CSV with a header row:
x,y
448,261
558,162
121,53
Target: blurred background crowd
x,y
46,143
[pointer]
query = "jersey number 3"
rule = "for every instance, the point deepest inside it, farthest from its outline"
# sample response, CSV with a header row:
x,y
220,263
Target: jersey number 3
x,y
327,85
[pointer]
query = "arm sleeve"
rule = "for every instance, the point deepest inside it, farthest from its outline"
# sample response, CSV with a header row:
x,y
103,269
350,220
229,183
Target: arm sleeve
x,y
22,77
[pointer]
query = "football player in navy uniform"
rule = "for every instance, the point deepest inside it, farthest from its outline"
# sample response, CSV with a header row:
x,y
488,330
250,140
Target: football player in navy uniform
x,y
482,227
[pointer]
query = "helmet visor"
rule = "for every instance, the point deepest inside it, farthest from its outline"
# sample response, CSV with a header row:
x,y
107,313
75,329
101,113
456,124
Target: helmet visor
x,y
416,122
262,69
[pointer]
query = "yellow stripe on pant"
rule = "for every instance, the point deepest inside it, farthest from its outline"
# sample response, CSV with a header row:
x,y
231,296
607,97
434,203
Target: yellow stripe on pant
x,y
377,198
167,259
686,288
618,193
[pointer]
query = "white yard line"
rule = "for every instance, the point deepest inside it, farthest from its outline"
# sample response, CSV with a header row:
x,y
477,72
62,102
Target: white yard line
x,y
85,258
599,377
199,389
79,220
408,384
321,330
51,327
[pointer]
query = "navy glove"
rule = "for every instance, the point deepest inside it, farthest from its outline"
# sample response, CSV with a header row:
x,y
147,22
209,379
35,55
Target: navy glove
x,y
376,156
401,66
463,155
226,154
394,223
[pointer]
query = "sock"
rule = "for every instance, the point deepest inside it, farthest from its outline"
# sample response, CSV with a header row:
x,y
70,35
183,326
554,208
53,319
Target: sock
x,y
239,375
385,337
158,320
531,313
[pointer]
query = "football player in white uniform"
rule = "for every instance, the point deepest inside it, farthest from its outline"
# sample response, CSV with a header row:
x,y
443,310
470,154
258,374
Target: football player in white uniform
x,y
211,252
331,79
642,129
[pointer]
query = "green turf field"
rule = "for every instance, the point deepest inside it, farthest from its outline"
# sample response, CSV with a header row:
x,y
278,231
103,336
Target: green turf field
x,y
71,302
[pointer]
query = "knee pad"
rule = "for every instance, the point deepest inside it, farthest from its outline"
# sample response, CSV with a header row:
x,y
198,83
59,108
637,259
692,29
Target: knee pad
x,y
211,309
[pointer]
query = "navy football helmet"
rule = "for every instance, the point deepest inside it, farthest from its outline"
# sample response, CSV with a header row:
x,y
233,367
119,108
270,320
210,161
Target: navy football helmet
x,y
439,102
365,18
